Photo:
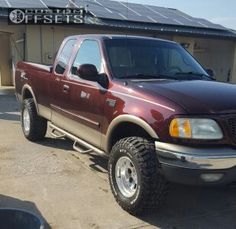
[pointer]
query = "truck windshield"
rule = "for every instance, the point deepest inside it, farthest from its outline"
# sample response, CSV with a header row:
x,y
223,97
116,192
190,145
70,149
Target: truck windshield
x,y
140,58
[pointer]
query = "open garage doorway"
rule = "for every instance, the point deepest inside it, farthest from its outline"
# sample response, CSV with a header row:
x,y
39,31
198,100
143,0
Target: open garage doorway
x,y
5,60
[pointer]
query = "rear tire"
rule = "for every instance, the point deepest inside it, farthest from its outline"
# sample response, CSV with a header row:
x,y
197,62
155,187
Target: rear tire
x,y
135,177
34,127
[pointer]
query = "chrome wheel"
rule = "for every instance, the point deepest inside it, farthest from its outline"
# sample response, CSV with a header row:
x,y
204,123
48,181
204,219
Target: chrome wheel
x,y
126,177
26,120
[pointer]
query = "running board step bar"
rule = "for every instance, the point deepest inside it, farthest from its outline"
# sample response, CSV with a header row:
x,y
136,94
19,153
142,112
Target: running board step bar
x,y
76,146
57,132
57,135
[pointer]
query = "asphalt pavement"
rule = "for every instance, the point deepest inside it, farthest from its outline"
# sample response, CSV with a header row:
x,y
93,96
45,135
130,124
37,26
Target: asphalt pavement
x,y
71,190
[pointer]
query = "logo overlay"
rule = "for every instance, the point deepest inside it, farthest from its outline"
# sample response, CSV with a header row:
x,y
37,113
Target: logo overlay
x,y
46,16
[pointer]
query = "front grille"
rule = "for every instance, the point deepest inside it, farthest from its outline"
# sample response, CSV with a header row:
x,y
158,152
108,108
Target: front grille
x,y
232,128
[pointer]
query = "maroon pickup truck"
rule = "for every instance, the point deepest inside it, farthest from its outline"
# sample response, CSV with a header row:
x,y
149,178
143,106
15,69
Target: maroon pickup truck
x,y
144,102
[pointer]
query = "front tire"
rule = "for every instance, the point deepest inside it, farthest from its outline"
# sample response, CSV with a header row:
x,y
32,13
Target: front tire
x,y
134,175
34,127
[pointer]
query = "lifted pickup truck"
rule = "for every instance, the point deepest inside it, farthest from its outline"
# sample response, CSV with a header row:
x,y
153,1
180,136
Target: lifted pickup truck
x,y
145,102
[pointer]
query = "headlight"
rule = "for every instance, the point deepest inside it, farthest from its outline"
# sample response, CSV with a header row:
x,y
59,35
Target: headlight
x,y
194,128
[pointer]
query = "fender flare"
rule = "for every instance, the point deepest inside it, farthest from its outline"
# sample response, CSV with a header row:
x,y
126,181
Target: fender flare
x,y
28,87
128,118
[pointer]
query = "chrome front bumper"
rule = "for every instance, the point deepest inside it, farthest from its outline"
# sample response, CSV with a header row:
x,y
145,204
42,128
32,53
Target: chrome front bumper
x,y
196,158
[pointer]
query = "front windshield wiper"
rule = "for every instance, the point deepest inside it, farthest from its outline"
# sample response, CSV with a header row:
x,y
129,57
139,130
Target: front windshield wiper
x,y
146,76
193,75
175,76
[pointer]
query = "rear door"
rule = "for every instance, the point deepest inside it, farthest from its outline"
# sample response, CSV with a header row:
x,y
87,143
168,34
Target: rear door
x,y
85,99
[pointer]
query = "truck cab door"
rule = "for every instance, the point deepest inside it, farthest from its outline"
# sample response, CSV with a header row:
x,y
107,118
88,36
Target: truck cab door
x,y
85,99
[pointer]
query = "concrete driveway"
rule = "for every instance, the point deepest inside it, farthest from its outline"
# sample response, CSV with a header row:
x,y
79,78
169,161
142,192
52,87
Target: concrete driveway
x,y
71,191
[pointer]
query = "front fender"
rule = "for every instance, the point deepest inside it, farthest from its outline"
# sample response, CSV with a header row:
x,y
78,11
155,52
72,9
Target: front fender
x,y
131,119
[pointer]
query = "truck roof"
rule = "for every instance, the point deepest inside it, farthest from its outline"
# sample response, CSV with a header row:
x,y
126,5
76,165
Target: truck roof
x,y
115,36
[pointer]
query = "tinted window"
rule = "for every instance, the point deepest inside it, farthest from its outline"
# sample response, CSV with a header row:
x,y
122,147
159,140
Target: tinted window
x,y
64,56
178,60
88,53
135,57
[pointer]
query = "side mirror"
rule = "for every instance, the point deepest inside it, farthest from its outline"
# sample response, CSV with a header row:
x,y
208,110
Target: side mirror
x,y
88,72
211,73
103,80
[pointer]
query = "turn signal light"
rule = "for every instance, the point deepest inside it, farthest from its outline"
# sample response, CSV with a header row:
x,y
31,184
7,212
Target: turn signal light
x,y
180,128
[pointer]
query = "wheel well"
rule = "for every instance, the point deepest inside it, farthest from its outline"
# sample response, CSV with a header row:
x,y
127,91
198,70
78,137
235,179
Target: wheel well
x,y
27,94
126,129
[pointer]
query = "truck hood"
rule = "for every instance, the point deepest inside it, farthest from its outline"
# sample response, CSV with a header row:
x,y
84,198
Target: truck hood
x,y
195,96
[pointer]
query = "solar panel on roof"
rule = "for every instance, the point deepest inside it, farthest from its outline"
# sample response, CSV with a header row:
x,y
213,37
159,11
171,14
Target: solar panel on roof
x,y
180,18
137,12
26,4
171,16
3,4
115,10
139,9
208,23
96,7
98,10
57,3
184,15
123,10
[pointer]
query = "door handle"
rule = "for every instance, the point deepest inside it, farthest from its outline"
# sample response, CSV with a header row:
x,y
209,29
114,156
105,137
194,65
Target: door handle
x,y
66,89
